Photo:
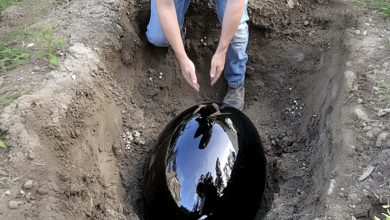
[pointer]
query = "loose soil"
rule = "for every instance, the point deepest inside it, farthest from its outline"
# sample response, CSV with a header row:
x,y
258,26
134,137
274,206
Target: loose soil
x,y
83,132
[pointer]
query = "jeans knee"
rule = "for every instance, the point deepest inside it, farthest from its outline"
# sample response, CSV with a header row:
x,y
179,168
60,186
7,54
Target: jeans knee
x,y
242,34
157,39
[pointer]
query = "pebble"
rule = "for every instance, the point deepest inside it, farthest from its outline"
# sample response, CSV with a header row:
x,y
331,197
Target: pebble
x,y
361,114
28,184
360,101
28,196
7,193
369,134
381,138
306,23
136,134
367,128
383,112
36,69
12,204
350,78
365,33
357,32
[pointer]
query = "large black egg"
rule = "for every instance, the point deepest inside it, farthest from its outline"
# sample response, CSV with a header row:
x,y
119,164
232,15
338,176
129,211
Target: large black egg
x,y
208,163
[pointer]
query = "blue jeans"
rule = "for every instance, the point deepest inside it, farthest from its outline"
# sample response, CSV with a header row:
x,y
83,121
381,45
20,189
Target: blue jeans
x,y
236,57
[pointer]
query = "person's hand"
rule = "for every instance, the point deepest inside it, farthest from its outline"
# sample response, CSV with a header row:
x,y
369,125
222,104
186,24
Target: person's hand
x,y
217,66
188,70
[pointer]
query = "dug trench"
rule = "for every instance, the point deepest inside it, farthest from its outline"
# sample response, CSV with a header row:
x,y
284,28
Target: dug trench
x,y
294,92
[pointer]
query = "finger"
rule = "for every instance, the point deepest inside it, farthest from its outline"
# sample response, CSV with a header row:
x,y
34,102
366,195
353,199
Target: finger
x,y
195,86
212,72
214,80
216,77
194,81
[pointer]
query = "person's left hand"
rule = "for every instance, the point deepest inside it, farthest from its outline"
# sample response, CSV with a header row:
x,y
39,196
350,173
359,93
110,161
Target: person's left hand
x,y
217,66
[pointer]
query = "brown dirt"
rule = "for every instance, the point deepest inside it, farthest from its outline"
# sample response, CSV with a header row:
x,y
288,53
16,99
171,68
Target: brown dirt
x,y
83,132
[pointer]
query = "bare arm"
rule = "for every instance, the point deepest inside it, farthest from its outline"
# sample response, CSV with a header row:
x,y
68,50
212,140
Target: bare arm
x,y
167,15
231,20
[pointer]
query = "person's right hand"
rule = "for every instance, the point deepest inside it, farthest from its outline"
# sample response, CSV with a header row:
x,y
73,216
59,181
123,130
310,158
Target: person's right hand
x,y
188,70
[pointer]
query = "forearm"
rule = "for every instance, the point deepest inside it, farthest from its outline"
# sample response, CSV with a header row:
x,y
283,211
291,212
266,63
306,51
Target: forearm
x,y
168,20
231,20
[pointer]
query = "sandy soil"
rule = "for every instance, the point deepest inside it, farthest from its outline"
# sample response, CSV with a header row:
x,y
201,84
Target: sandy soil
x,y
79,136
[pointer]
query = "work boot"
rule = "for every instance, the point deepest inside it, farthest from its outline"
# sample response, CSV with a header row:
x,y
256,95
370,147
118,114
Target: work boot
x,y
235,97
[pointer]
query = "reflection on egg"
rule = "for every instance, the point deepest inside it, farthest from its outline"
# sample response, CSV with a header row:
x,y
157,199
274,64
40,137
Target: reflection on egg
x,y
208,163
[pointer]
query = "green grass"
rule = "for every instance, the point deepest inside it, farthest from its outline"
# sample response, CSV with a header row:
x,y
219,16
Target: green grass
x,y
10,57
6,3
9,99
384,90
50,46
385,214
382,5
2,144
46,46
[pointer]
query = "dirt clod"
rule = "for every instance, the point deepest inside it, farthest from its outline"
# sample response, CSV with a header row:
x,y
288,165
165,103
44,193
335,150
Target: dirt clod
x,y
28,184
14,204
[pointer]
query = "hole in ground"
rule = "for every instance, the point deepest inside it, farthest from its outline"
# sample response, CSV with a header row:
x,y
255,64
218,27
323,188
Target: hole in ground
x,y
293,87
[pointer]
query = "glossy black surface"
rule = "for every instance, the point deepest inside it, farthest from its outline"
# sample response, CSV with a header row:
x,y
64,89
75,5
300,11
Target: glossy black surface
x,y
208,163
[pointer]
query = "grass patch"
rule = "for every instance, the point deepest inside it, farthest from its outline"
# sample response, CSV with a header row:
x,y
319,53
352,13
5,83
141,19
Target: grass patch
x,y
9,99
384,91
2,144
50,46
382,5
10,58
6,3
41,44
386,214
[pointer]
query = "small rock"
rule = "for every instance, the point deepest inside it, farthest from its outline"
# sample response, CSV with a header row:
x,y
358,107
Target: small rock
x,y
365,33
290,4
28,184
383,112
357,32
381,139
369,134
7,193
367,128
361,114
36,69
28,196
354,198
350,78
12,204
367,172
136,134
360,101
306,23
331,186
